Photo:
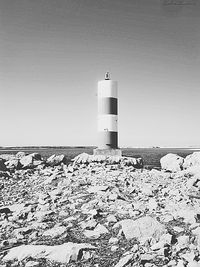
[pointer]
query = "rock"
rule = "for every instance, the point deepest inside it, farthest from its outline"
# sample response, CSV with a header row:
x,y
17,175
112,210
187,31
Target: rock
x,y
193,264
31,161
13,164
172,162
166,218
180,263
196,233
113,240
189,256
7,157
32,264
188,215
114,248
97,188
89,225
97,232
192,160
183,242
55,160
124,261
178,229
111,218
85,158
20,155
143,228
61,253
135,162
2,165
56,231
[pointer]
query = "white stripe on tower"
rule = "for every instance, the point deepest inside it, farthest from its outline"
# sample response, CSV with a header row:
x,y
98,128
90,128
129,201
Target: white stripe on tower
x,y
107,114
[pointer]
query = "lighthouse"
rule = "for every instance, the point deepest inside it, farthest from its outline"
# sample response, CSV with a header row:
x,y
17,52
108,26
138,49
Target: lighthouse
x,y
107,118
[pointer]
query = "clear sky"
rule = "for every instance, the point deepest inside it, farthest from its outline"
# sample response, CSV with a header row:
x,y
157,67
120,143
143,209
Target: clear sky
x,y
53,52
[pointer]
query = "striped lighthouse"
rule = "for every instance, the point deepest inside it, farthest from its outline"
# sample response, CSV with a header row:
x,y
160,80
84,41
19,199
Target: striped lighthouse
x,y
107,118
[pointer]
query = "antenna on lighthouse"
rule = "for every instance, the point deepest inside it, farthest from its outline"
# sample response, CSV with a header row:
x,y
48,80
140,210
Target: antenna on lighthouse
x,y
107,76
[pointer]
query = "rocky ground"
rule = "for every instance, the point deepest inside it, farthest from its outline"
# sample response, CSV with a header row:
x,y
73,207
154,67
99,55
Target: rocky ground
x,y
99,211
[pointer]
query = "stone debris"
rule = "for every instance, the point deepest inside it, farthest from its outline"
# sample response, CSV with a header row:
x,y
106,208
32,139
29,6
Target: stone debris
x,y
99,211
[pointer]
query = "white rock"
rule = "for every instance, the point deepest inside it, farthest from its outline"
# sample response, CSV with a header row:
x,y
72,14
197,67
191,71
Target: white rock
x,y
31,160
196,233
123,261
13,164
55,231
188,215
111,218
192,160
193,264
189,256
114,248
142,228
172,162
178,229
180,263
20,155
113,240
92,223
152,205
60,253
56,160
32,264
97,232
97,188
166,218
183,242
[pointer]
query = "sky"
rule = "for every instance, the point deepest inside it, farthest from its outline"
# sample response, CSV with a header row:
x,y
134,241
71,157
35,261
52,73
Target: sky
x,y
53,53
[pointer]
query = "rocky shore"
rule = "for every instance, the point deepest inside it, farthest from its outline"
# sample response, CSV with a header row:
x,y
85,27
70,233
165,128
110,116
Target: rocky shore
x,y
99,211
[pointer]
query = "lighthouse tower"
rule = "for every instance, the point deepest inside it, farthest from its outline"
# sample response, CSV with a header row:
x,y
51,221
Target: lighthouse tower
x,y
107,118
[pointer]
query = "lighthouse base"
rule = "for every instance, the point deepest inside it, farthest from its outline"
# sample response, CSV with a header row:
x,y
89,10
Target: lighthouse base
x,y
107,152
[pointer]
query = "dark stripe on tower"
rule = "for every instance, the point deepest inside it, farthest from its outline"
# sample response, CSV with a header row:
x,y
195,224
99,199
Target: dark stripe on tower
x,y
107,105
108,139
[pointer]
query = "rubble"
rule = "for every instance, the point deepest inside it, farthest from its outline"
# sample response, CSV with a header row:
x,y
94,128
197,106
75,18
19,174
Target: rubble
x,y
99,211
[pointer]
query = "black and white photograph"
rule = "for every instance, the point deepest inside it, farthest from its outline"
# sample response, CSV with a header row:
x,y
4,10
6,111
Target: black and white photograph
x,y
99,133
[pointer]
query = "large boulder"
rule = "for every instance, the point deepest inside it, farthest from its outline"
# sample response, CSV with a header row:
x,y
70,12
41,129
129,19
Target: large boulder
x,y
85,158
31,161
143,228
60,253
55,160
2,165
192,160
172,162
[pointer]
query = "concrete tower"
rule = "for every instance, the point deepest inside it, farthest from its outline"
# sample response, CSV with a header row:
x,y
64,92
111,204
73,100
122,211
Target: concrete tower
x,y
107,118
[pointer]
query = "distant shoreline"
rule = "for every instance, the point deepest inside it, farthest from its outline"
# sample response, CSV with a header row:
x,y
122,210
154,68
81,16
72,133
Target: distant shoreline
x,y
88,147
